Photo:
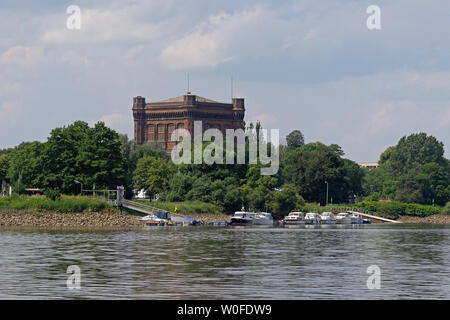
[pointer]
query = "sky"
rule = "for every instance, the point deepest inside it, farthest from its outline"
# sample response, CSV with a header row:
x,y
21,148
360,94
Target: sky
x,y
308,65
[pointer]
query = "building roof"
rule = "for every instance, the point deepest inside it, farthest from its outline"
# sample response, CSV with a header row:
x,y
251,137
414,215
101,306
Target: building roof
x,y
181,99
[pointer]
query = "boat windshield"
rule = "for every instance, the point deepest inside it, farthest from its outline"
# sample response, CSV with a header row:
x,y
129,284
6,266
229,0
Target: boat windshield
x,y
162,214
295,214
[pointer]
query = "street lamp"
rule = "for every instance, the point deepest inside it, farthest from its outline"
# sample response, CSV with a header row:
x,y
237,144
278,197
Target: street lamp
x,y
326,202
76,181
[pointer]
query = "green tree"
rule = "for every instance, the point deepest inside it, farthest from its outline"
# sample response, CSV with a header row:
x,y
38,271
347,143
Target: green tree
x,y
310,166
5,161
414,150
27,163
295,139
153,174
286,199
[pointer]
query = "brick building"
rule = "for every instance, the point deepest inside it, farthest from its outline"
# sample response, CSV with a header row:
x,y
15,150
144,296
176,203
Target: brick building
x,y
155,121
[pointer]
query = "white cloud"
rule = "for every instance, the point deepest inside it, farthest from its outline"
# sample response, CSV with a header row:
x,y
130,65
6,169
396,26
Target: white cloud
x,y
117,121
104,26
11,115
23,57
214,41
444,119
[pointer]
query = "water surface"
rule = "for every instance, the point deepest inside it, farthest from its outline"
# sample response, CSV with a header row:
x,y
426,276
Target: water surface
x,y
228,263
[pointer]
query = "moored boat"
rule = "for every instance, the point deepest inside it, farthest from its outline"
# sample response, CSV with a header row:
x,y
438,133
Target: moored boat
x,y
294,218
262,218
312,218
327,218
158,218
242,218
356,219
343,218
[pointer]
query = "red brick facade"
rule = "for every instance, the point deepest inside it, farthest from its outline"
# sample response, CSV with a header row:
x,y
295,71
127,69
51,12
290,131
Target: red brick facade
x,y
156,121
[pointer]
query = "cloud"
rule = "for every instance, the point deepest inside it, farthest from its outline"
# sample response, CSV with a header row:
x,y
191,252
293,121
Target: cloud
x,y
444,119
11,115
214,41
102,26
117,121
23,57
266,119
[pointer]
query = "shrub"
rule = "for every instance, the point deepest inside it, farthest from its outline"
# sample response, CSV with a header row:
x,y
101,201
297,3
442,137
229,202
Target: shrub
x,y
394,208
446,209
374,196
65,204
53,194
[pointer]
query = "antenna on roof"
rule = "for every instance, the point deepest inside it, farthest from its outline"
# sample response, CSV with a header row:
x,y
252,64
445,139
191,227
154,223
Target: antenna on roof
x,y
188,92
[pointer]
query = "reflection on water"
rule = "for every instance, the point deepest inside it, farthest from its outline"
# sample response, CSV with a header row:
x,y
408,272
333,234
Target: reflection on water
x,y
228,263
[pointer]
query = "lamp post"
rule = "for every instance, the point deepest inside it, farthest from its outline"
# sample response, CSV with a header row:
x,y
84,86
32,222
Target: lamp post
x,y
326,202
76,181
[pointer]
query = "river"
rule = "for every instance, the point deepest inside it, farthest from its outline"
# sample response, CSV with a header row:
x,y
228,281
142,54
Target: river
x,y
228,263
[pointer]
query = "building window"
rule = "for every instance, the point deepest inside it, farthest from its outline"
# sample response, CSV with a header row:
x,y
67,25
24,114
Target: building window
x,y
170,129
161,132
151,133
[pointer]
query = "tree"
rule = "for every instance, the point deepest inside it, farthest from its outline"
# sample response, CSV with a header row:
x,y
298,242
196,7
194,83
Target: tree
x,y
5,161
295,139
308,167
414,170
26,163
75,152
414,150
153,174
286,199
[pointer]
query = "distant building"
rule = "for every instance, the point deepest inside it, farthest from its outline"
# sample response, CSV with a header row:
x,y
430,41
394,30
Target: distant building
x,y
155,121
369,165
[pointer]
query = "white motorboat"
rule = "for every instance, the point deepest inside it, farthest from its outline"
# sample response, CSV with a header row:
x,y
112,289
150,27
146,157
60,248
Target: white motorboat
x,y
327,218
343,218
294,218
312,218
356,219
242,218
156,218
262,218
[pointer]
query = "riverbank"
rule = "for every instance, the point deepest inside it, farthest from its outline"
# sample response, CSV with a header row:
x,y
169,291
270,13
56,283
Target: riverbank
x,y
56,220
432,219
209,217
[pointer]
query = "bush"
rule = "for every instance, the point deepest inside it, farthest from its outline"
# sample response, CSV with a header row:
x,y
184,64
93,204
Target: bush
x,y
394,209
64,204
53,194
446,209
374,196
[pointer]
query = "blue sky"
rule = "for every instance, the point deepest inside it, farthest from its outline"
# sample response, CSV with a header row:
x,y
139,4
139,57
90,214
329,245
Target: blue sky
x,y
308,65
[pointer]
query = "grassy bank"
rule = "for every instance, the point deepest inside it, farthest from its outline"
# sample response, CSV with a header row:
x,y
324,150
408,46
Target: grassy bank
x,y
66,204
186,207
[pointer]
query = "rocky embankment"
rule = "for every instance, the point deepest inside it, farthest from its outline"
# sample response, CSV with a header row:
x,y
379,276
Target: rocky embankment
x,y
433,219
113,219
209,217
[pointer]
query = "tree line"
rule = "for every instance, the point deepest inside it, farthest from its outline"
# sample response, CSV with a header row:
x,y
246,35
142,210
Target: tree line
x,y
415,170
